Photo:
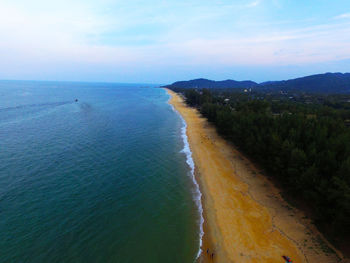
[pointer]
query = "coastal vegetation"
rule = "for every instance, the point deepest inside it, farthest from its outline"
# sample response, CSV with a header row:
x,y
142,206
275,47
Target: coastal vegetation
x,y
301,140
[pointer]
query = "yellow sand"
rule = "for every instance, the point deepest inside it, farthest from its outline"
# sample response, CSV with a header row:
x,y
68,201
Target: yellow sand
x,y
245,218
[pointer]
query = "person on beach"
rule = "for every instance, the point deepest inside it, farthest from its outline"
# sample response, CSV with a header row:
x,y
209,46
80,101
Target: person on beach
x,y
287,259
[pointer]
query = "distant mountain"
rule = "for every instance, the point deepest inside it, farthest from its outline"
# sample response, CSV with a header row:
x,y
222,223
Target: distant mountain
x,y
207,84
321,83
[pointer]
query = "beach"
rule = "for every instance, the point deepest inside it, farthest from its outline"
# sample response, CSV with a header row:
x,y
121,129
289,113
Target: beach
x,y
245,218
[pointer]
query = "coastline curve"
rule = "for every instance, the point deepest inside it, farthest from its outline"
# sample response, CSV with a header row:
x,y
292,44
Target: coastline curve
x,y
197,195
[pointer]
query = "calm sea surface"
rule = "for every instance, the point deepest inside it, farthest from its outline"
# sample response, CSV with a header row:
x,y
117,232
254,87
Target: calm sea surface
x,y
103,179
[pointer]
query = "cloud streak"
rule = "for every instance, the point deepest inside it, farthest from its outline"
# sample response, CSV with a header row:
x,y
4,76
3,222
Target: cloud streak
x,y
343,16
254,4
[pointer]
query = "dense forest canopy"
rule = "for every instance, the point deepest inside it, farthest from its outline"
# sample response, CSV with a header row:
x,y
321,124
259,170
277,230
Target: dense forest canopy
x,y
303,141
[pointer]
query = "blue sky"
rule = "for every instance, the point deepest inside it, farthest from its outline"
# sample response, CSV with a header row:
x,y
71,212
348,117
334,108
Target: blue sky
x,y
163,41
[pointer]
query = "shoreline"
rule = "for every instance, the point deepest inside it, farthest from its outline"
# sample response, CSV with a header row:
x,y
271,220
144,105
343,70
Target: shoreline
x,y
189,160
245,218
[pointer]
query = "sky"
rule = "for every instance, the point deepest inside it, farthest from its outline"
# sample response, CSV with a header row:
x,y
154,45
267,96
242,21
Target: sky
x,y
158,41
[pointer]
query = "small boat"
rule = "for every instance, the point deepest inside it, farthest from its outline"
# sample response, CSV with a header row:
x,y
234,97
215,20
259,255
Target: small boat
x,y
76,100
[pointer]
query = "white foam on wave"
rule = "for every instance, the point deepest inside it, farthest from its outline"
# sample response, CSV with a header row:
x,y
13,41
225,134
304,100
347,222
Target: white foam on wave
x,y
197,193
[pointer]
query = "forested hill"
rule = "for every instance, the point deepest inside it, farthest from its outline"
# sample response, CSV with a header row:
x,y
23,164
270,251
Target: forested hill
x,y
206,83
321,83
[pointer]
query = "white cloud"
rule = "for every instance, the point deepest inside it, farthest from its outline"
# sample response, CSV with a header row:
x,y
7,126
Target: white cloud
x,y
253,4
218,34
343,16
306,45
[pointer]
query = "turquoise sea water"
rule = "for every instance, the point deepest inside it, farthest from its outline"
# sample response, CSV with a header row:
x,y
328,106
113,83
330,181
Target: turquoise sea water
x,y
103,179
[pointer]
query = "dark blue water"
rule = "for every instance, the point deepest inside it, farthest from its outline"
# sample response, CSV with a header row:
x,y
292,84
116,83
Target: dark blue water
x,y
98,180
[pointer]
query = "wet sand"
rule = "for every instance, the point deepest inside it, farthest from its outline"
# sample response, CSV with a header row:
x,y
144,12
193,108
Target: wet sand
x,y
246,220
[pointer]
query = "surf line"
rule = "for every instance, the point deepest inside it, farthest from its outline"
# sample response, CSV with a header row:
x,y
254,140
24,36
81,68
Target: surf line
x,y
197,193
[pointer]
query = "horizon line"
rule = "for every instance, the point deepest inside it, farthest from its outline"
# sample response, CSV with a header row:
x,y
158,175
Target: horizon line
x,y
162,84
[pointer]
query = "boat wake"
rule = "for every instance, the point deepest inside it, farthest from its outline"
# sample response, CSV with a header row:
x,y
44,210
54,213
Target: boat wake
x,y
28,106
24,112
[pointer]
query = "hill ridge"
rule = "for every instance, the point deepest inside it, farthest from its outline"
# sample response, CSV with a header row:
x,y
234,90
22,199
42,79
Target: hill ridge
x,y
319,83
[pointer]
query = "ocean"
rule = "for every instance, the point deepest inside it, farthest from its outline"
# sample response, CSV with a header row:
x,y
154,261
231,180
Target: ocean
x,y
108,178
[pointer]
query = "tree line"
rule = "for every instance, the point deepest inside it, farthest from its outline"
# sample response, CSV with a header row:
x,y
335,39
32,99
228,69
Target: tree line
x,y
305,146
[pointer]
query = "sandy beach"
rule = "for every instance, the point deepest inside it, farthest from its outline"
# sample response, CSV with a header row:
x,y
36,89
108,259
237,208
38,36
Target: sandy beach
x,y
246,220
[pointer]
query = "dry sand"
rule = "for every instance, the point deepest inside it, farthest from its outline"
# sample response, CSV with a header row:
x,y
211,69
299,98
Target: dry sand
x,y
246,220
